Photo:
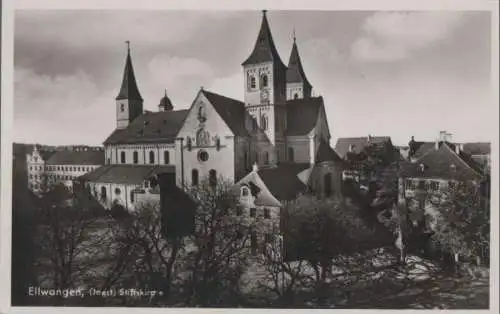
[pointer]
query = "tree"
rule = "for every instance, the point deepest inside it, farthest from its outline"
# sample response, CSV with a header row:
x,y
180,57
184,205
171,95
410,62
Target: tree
x,y
218,253
327,234
143,256
64,239
462,222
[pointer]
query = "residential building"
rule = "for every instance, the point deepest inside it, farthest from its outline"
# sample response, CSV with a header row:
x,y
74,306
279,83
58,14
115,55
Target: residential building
x,y
60,166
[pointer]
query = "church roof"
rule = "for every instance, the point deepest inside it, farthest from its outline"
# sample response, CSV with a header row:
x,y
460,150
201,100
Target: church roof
x,y
150,127
129,89
125,174
232,111
302,115
264,49
295,72
72,157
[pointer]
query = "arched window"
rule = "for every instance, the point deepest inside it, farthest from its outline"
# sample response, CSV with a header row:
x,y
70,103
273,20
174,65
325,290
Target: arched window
x,y
122,107
264,81
136,157
122,157
194,177
255,126
244,191
166,157
103,194
264,122
253,82
212,178
327,184
132,196
290,154
266,157
151,157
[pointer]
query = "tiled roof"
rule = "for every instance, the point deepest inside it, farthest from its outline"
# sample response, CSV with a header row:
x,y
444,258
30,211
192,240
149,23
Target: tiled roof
x,y
264,49
477,148
359,143
150,127
70,157
129,89
295,72
326,153
302,115
125,174
443,163
283,181
232,111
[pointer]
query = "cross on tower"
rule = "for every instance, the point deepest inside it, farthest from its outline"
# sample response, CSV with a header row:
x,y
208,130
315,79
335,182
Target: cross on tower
x,y
128,45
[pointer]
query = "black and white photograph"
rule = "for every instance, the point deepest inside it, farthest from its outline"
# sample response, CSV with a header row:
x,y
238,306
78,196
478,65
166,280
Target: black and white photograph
x,y
264,157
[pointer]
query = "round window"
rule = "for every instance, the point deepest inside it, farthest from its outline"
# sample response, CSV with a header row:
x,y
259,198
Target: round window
x,y
202,155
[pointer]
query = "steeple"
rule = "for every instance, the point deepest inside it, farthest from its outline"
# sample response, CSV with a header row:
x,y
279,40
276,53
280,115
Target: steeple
x,y
298,86
129,100
129,89
295,72
264,49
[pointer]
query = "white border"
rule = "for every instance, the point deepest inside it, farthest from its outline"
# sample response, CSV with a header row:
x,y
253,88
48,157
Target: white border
x,y
366,5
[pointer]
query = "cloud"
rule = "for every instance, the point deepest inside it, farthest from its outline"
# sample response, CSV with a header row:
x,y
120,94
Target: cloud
x,y
391,36
61,109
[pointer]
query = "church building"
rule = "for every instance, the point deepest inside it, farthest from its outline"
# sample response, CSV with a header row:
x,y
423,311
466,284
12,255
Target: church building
x,y
278,123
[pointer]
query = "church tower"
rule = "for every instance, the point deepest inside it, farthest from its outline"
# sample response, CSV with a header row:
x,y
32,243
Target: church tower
x,y
265,86
297,85
129,101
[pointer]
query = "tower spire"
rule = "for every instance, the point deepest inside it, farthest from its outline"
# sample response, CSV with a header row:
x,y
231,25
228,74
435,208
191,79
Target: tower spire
x,y
293,35
264,49
129,89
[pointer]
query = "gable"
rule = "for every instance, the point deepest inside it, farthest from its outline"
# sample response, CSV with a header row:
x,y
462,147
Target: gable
x,y
262,195
203,115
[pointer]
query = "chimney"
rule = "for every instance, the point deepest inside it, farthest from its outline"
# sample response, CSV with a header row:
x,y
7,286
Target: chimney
x,y
436,145
458,148
369,137
351,148
255,168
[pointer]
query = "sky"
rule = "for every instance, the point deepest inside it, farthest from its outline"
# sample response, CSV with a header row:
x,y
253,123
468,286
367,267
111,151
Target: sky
x,y
384,73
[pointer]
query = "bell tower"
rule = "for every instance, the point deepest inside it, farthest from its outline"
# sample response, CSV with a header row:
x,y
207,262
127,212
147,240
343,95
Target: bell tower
x,y
265,85
129,101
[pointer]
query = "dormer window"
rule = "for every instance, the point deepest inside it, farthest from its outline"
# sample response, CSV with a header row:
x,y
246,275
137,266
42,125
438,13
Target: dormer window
x,y
421,167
